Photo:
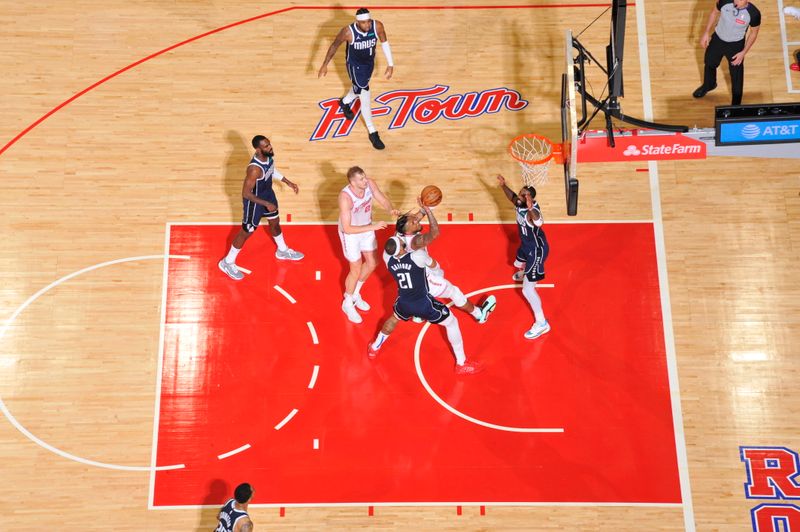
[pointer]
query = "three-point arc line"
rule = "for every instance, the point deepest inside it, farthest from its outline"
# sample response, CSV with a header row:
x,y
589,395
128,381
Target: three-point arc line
x,y
313,332
313,380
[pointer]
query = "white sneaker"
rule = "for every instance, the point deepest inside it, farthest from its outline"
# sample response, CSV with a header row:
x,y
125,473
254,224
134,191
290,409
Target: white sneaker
x,y
518,276
289,254
231,270
792,11
537,330
417,320
361,304
487,308
350,309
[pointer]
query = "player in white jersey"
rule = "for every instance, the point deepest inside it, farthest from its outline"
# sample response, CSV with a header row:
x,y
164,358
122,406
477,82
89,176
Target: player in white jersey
x,y
409,229
357,234
233,515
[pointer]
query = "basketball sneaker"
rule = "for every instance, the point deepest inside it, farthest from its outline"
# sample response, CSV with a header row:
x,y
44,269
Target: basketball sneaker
x,y
470,367
372,353
376,141
416,319
361,304
350,310
346,110
537,330
487,308
231,270
792,11
289,254
518,276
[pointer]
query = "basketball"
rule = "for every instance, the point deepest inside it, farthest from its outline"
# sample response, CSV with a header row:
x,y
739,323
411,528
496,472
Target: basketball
x,y
431,196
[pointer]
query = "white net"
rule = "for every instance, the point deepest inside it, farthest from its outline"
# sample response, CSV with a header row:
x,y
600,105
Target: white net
x,y
534,155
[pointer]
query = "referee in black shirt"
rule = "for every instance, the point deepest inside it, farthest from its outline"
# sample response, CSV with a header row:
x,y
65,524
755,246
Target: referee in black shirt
x,y
728,40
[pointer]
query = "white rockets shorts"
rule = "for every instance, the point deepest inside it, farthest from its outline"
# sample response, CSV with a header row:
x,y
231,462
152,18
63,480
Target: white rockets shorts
x,y
354,244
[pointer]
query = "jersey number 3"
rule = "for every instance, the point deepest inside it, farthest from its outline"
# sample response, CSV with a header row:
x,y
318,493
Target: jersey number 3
x,y
404,280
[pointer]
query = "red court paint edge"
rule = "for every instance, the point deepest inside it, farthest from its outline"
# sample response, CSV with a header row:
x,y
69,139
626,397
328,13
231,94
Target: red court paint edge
x,y
251,19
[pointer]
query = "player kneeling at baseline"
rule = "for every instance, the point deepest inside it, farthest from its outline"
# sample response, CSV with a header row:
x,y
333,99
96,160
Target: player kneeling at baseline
x,y
409,229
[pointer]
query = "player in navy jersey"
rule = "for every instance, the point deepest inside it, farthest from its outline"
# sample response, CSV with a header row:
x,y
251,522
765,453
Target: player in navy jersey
x,y
532,252
259,200
362,38
408,267
233,515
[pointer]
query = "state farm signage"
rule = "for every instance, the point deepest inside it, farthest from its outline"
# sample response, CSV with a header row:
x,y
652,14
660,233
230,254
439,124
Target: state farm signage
x,y
635,146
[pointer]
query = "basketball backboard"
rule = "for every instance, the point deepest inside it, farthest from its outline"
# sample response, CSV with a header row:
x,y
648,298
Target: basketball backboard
x,y
569,127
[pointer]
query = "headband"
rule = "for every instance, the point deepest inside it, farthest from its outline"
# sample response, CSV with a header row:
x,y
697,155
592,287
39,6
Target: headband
x,y
362,16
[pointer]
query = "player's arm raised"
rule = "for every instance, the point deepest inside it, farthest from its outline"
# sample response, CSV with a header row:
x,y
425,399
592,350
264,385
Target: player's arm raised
x,y
381,198
422,240
345,204
387,50
510,194
283,178
253,173
343,36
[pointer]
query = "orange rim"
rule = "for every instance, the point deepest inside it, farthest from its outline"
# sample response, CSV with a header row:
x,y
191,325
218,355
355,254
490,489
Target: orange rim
x,y
555,149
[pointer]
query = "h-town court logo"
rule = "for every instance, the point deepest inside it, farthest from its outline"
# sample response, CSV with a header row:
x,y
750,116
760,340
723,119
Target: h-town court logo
x,y
420,105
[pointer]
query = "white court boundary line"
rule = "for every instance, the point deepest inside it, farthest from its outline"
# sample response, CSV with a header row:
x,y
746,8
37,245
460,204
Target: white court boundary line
x,y
663,282
28,434
452,409
785,45
445,222
433,504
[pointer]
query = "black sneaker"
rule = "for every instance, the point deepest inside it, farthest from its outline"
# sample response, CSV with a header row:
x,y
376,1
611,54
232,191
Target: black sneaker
x,y
348,113
376,141
702,91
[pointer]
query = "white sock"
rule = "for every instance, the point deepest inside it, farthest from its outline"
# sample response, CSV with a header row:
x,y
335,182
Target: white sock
x,y
349,97
281,244
379,340
357,291
230,258
455,339
366,110
529,291
348,297
477,312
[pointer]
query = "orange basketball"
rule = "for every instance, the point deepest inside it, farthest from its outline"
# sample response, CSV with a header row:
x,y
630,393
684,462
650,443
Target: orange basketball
x,y
431,196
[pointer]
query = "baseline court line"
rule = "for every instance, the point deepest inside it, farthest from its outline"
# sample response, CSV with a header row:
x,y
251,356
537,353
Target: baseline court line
x,y
287,419
663,284
285,294
235,451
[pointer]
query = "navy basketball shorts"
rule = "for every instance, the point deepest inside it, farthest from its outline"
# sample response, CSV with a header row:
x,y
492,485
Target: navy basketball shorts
x,y
428,309
359,76
534,262
253,212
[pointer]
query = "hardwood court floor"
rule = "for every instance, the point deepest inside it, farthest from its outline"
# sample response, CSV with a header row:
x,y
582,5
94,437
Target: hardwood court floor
x,y
166,141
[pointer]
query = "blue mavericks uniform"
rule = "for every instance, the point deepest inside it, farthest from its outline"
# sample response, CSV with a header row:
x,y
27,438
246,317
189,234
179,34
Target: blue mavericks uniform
x,y
533,249
228,516
263,189
360,56
413,298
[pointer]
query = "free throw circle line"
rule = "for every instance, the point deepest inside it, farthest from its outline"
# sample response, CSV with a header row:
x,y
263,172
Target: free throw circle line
x,y
28,434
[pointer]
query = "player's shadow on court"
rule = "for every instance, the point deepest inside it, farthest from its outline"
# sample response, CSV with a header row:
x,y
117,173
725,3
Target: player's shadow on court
x,y
326,33
218,493
234,172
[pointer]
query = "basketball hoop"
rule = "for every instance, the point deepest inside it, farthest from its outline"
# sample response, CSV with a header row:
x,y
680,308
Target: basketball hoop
x,y
535,154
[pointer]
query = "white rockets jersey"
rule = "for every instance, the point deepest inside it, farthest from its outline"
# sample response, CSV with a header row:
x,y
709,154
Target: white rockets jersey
x,y
361,211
